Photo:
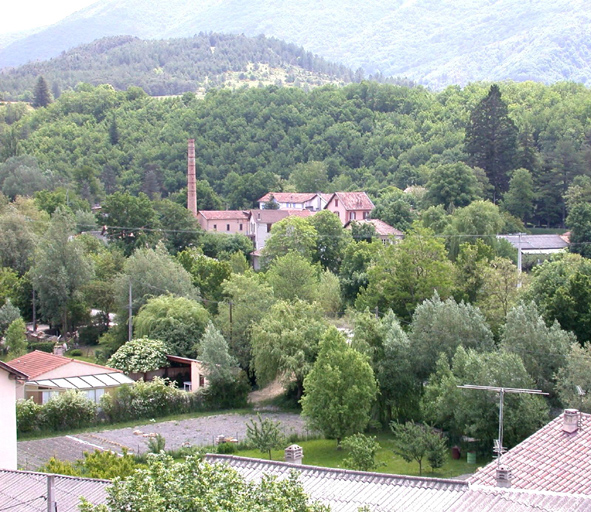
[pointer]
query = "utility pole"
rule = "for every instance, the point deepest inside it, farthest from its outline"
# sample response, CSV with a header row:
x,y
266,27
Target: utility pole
x,y
130,317
519,266
230,303
51,504
499,444
34,311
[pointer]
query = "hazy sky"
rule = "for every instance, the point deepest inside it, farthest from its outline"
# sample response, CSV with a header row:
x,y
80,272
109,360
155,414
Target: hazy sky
x,y
17,15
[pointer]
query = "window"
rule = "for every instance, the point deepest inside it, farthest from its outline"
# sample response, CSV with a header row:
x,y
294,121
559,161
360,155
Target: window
x,y
46,396
215,227
240,227
365,215
336,203
352,216
227,227
94,395
201,381
269,228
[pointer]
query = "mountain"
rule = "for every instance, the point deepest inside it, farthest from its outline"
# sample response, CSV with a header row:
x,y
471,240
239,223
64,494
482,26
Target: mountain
x,y
173,66
434,42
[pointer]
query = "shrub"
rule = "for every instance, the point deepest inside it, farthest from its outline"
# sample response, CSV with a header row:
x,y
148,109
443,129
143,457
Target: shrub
x,y
362,452
139,355
226,448
90,334
156,444
43,346
98,464
28,415
231,394
68,410
147,400
76,352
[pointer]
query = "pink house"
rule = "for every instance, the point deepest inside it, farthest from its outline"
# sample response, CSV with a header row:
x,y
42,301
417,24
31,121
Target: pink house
x,y
224,221
350,206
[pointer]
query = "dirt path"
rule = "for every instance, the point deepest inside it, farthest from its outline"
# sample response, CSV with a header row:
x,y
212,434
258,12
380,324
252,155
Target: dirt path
x,y
192,432
259,397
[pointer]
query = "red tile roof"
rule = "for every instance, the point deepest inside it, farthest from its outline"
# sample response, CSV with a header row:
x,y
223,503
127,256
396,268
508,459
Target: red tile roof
x,y
224,214
13,371
549,460
288,197
354,200
382,228
38,363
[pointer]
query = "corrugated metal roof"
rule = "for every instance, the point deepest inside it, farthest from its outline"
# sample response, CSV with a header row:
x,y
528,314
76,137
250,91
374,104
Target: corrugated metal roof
x,y
26,491
345,491
550,460
536,242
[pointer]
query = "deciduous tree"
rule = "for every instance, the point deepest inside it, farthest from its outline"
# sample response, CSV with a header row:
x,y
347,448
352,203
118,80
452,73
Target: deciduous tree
x,y
339,390
265,434
474,413
440,327
178,321
61,270
286,341
543,349
195,484
414,442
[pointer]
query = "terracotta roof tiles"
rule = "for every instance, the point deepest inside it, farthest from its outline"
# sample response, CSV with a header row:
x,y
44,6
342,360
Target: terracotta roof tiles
x,y
288,197
224,214
550,460
354,200
38,363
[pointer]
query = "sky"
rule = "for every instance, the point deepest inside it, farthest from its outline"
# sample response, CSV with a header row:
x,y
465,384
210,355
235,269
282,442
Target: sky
x,y
18,15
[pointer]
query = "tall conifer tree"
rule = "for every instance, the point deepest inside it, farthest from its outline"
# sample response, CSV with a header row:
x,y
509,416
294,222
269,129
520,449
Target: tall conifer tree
x,y
491,140
41,95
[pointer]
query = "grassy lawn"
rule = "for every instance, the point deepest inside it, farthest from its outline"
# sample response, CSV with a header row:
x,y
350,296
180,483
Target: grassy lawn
x,y
323,452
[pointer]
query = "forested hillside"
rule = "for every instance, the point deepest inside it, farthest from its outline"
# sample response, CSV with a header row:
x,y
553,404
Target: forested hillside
x,y
434,42
175,66
363,136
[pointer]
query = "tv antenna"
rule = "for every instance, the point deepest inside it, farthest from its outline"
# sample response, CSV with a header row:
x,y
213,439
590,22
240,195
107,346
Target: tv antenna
x,y
498,448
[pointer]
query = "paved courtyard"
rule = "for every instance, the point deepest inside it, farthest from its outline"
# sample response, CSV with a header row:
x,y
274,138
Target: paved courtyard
x,y
192,432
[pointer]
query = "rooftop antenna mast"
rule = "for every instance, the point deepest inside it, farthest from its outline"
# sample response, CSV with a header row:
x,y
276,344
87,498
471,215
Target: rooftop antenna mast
x,y
501,391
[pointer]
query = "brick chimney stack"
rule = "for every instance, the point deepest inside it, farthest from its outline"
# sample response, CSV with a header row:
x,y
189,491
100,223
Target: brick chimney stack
x,y
191,179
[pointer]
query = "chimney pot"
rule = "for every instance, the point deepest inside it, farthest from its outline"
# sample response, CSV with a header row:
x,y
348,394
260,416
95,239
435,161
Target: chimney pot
x,y
570,420
503,476
294,454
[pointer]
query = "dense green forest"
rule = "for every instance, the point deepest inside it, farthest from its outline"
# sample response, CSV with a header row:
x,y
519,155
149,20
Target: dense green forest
x,y
434,42
174,66
96,141
443,306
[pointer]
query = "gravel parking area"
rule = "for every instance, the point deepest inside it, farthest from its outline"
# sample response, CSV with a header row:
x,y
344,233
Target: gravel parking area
x,y
192,432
